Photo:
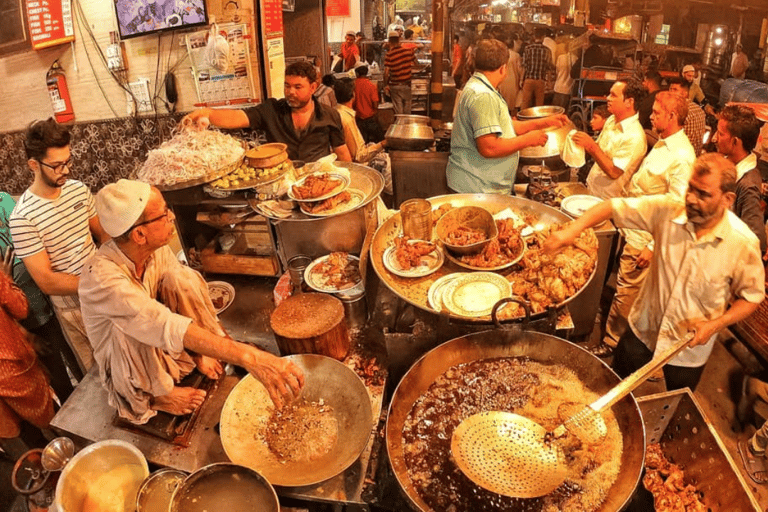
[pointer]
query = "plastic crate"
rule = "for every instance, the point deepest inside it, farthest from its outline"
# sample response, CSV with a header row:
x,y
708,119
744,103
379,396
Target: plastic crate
x,y
676,421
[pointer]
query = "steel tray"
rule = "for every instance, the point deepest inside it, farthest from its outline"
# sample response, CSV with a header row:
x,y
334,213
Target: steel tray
x,y
676,421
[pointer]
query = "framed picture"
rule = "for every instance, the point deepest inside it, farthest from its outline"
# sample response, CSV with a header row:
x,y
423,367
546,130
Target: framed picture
x,y
289,5
411,6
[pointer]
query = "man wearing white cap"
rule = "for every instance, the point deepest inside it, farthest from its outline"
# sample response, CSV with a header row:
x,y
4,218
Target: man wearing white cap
x,y
350,52
150,319
694,92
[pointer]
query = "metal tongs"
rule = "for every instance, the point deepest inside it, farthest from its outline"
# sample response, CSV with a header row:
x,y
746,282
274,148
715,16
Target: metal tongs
x,y
514,456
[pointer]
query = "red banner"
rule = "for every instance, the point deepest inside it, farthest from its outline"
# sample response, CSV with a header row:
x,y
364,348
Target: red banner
x,y
337,8
50,22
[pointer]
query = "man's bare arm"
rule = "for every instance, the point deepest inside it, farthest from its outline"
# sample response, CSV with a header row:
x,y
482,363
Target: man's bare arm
x,y
48,280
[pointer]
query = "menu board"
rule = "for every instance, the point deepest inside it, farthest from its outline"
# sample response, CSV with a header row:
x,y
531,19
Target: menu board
x,y
272,15
50,22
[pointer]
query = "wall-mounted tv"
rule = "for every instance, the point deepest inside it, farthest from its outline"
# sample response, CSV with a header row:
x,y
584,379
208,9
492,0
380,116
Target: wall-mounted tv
x,y
141,17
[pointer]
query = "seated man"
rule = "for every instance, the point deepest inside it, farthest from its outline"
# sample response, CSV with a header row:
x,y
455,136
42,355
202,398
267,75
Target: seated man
x,y
141,344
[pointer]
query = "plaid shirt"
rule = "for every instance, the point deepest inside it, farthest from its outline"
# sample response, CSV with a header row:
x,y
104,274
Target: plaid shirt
x,y
536,60
695,125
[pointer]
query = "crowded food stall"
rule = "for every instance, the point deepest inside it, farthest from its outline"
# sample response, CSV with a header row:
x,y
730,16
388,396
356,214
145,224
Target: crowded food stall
x,y
277,323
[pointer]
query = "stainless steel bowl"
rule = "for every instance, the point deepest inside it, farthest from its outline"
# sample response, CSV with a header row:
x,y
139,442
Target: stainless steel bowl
x,y
537,112
225,487
410,133
473,217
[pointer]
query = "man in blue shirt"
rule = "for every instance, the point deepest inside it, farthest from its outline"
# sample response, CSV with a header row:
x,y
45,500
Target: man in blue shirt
x,y
485,141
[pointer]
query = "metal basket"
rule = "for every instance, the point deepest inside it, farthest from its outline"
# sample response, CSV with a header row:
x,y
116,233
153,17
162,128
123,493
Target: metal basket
x,y
676,421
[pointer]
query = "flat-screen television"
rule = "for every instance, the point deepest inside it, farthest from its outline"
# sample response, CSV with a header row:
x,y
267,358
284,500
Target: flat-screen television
x,y
141,17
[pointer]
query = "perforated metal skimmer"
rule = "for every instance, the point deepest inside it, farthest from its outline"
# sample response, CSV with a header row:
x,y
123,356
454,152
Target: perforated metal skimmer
x,y
514,456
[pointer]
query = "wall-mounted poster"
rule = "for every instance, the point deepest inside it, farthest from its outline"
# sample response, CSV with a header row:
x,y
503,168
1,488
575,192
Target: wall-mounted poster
x,y
50,22
337,8
289,5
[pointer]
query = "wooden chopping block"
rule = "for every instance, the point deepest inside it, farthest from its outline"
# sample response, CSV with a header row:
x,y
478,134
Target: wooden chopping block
x,y
311,323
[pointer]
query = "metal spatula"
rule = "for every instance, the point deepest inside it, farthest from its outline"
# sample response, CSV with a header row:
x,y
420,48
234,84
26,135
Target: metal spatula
x,y
514,456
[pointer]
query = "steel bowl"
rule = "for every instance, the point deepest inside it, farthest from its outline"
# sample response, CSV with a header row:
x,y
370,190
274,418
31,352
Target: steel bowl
x,y
410,133
225,487
555,136
248,408
473,217
156,492
103,476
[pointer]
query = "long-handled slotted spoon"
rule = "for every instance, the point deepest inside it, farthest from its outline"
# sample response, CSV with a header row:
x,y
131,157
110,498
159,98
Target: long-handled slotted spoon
x,y
514,456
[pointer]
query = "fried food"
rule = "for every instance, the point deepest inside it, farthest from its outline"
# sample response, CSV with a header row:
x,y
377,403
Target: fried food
x,y
436,214
666,481
328,204
316,185
408,254
302,431
463,235
500,251
549,280
339,271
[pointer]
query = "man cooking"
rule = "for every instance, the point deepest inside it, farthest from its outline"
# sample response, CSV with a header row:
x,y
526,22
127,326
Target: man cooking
x,y
144,346
310,130
706,272
486,141
621,145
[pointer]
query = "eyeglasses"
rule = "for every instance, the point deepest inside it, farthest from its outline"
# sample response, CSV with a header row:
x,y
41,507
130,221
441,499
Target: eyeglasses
x,y
57,168
164,215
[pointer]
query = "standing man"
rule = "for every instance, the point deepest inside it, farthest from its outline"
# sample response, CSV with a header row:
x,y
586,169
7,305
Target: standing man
x,y
706,273
310,130
361,152
665,170
696,120
739,63
737,131
621,145
564,82
694,89
457,58
510,86
367,106
350,52
144,347
397,74
537,59
53,228
652,85
485,140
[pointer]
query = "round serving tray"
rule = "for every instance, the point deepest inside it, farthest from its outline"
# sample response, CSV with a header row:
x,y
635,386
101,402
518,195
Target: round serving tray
x,y
207,177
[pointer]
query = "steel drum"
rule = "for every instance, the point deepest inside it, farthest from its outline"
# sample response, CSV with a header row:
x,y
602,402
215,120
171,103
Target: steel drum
x,y
246,413
415,290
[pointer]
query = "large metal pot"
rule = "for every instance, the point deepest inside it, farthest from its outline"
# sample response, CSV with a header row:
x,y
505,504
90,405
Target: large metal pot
x,y
543,348
103,476
410,133
555,136
226,487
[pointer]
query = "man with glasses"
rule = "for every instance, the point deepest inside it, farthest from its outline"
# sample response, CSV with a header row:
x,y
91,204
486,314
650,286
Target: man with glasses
x,y
53,228
150,318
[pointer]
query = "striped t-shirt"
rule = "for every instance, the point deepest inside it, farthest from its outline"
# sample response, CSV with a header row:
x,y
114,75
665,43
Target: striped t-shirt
x,y
399,61
59,226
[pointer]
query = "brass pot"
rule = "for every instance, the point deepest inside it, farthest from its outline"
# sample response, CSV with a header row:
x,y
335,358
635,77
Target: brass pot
x,y
410,133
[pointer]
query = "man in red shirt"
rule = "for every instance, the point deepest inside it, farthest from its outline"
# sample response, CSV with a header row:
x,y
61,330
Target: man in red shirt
x,y
350,52
367,106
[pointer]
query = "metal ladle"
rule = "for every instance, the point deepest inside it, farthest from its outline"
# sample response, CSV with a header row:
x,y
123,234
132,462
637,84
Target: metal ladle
x,y
514,456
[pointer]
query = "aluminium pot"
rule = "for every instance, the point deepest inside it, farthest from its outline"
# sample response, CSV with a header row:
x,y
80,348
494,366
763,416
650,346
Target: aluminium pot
x,y
410,133
555,136
594,373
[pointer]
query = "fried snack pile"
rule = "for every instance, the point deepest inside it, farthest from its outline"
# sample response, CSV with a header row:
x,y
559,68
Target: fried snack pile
x,y
463,235
315,185
338,271
328,204
302,431
549,280
505,248
409,255
666,481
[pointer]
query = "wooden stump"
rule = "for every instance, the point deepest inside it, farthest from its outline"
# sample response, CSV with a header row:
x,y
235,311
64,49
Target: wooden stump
x,y
311,323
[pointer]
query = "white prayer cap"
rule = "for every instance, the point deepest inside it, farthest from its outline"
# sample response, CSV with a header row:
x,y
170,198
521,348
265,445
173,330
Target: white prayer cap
x,y
119,205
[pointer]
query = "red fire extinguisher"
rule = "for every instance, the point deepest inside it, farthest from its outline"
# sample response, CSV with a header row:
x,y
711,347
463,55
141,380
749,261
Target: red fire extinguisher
x,y
57,88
